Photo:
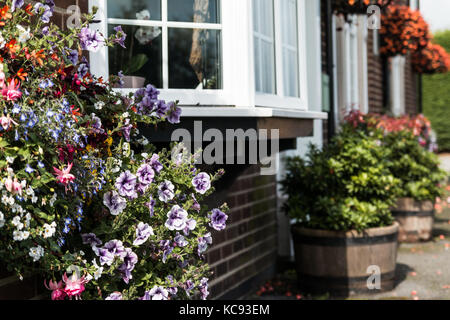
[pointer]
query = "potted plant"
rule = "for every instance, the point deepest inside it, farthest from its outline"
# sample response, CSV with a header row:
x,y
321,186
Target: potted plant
x,y
340,200
410,159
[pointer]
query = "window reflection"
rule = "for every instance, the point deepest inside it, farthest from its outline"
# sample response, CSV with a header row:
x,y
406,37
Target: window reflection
x,y
121,9
142,57
200,11
194,59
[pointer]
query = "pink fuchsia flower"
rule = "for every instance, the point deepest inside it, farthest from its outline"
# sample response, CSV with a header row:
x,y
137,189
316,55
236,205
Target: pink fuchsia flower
x,y
6,122
74,285
12,92
57,289
64,176
13,186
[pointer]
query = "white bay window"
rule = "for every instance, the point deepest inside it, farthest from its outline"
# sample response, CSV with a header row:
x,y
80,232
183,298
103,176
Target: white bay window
x,y
211,54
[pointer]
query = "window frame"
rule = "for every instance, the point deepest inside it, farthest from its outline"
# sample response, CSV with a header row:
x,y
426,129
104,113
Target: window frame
x,y
238,72
279,100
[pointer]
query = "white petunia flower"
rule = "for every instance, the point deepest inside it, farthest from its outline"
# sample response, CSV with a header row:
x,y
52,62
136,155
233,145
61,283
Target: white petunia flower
x,y
36,253
49,230
99,105
24,35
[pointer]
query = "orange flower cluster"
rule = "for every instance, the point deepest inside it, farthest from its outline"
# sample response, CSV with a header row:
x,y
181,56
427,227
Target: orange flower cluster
x,y
431,59
403,30
357,6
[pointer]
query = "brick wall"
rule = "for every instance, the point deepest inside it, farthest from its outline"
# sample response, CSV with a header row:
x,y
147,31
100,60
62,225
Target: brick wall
x,y
246,252
411,89
375,77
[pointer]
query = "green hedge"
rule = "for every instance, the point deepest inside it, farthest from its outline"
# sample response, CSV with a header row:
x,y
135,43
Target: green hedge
x,y
436,98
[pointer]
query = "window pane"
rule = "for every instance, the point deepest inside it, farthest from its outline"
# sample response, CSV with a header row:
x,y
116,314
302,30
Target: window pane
x,y
290,47
264,46
136,9
195,59
141,58
200,11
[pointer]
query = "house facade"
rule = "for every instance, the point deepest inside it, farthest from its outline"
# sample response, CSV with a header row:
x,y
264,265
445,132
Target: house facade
x,y
248,66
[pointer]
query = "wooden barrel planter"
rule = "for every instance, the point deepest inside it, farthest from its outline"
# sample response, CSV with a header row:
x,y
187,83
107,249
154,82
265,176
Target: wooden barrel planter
x,y
337,262
415,219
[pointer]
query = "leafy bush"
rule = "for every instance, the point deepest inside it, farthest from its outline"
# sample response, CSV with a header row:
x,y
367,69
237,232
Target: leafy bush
x,y
409,155
417,168
83,192
346,186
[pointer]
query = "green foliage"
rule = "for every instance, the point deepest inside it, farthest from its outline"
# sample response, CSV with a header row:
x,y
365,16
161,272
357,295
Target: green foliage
x,y
417,168
436,97
346,186
136,64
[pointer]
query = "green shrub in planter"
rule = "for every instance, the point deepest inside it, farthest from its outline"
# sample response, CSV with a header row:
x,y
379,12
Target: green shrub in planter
x,y
346,186
417,168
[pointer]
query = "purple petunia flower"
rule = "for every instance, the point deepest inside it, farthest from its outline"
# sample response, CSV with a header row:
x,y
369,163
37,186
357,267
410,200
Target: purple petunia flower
x,y
115,203
91,239
218,219
120,36
180,241
45,31
176,218
121,82
47,12
174,113
166,248
73,56
156,165
114,296
190,226
91,40
166,191
145,174
129,261
126,129
195,205
204,288
143,232
161,108
126,184
157,293
110,250
83,69
16,4
203,243
202,182
188,287
151,206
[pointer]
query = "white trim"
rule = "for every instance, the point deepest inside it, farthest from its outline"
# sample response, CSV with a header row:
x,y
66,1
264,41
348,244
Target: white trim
x,y
363,64
398,85
251,112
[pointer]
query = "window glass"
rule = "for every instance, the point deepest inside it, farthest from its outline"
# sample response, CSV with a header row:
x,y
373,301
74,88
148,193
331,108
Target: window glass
x,y
194,59
135,9
289,36
264,46
200,11
192,56
142,57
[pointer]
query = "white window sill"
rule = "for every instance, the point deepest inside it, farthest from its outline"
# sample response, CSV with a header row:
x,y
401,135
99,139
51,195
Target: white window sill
x,y
256,112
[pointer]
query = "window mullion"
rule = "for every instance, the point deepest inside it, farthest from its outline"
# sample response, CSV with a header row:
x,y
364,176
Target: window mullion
x,y
279,87
165,44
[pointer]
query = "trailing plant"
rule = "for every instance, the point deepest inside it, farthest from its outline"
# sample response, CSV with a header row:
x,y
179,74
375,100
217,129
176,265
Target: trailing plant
x,y
83,192
403,30
431,59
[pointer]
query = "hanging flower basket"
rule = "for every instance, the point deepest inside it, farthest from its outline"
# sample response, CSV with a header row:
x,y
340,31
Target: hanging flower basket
x,y
431,59
403,30
357,6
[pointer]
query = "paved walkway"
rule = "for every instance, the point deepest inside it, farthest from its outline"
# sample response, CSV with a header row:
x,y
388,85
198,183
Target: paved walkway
x,y
445,161
423,270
